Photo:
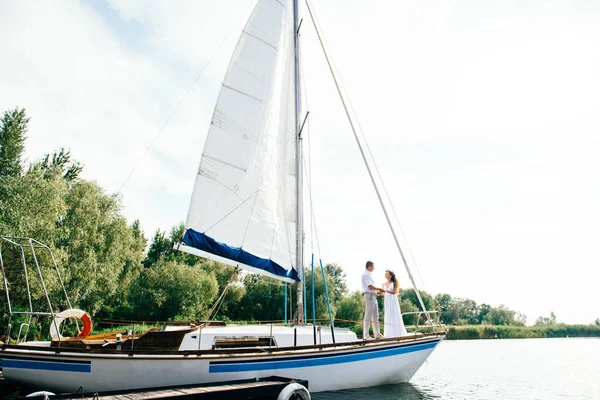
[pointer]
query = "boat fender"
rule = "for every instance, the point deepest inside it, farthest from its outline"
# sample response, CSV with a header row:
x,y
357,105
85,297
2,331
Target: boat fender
x,y
71,313
294,391
40,394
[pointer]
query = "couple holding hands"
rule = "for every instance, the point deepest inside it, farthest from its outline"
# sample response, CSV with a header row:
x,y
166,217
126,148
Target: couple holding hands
x,y
393,326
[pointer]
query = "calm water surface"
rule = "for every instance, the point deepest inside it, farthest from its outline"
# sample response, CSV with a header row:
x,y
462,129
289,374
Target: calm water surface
x,y
498,369
494,369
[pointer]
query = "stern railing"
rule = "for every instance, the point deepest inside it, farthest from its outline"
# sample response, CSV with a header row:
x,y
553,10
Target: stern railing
x,y
25,247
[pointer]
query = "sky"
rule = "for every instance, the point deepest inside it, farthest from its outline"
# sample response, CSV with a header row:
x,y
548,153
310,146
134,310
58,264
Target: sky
x,y
482,118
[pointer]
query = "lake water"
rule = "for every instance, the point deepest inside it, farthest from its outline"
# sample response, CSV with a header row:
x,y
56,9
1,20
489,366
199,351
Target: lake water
x,y
498,369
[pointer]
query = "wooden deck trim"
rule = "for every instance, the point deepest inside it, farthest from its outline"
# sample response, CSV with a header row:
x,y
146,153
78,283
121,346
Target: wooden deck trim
x,y
221,353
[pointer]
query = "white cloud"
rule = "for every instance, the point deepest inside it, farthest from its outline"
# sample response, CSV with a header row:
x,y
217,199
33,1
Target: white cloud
x,y
88,89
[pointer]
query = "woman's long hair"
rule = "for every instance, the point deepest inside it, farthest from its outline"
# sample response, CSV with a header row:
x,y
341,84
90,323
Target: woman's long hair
x,y
392,276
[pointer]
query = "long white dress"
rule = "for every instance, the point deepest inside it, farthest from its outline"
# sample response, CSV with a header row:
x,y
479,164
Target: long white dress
x,y
393,326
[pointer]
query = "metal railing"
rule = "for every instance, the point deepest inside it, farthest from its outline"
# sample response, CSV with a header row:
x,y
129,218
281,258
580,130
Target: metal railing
x,y
27,247
432,320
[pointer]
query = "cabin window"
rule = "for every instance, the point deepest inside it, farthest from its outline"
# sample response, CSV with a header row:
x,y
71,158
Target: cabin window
x,y
236,342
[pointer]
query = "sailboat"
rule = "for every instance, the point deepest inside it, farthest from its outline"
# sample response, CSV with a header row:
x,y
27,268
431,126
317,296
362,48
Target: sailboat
x,y
245,211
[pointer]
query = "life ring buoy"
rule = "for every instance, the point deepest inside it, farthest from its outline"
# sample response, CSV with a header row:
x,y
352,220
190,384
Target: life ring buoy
x,y
40,394
294,391
71,313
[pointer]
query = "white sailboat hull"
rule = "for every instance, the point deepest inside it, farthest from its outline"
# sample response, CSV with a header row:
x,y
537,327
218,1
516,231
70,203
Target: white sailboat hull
x,y
352,366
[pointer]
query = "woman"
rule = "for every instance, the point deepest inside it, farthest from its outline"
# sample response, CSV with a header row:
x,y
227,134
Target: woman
x,y
393,326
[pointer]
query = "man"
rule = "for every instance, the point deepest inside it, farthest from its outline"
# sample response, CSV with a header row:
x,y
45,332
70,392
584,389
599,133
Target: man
x,y
370,292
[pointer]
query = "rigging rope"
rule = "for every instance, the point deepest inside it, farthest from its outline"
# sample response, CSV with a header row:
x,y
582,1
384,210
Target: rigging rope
x,y
364,156
314,238
285,294
183,98
217,306
312,273
327,297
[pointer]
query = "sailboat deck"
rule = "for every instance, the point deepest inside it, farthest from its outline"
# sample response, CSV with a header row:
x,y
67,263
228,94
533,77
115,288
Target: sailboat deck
x,y
218,353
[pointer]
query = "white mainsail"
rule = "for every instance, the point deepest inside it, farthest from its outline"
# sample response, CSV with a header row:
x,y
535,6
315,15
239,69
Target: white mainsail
x,y
243,207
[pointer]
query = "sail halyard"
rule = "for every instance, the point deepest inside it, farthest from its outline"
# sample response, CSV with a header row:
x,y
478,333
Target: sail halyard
x,y
243,210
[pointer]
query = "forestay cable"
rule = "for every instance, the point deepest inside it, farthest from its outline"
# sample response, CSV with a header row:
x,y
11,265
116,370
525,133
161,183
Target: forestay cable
x,y
369,170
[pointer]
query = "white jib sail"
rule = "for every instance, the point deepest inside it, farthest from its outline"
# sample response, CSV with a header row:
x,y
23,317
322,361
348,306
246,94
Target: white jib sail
x,y
245,194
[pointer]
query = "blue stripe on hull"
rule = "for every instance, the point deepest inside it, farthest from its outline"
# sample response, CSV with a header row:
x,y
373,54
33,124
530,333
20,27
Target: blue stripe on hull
x,y
47,366
317,361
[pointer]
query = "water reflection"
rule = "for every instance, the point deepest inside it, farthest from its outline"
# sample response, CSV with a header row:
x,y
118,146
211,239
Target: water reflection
x,y
402,391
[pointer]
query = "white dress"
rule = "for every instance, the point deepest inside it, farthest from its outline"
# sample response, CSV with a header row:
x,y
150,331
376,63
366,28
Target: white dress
x,y
393,325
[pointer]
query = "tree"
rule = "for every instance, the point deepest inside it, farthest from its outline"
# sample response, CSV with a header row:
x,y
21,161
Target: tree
x,y
100,247
13,127
482,311
520,319
31,205
173,291
443,303
98,254
406,306
500,316
597,322
351,309
320,296
263,300
338,276
546,320
117,306
462,312
410,294
59,163
161,248
226,278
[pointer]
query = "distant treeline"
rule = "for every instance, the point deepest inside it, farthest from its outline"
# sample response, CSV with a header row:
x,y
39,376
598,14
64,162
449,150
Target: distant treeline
x,y
522,332
109,268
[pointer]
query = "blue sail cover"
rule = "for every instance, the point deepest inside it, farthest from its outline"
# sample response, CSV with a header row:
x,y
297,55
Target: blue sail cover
x,y
203,242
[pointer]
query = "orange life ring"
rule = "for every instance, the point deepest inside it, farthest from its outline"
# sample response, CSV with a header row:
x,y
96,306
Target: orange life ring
x,y
87,325
71,313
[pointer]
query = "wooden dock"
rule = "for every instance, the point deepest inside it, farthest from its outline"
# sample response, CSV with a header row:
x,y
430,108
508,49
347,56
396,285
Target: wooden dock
x,y
264,388
8,391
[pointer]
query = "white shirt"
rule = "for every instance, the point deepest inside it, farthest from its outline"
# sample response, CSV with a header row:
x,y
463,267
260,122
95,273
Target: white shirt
x,y
367,279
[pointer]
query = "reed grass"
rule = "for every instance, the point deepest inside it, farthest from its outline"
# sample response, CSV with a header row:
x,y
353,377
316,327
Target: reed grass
x,y
521,332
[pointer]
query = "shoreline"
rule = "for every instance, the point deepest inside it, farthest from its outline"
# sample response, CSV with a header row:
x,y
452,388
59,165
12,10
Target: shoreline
x,y
469,332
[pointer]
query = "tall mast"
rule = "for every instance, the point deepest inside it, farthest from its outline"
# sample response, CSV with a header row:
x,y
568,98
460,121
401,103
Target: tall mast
x,y
299,215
